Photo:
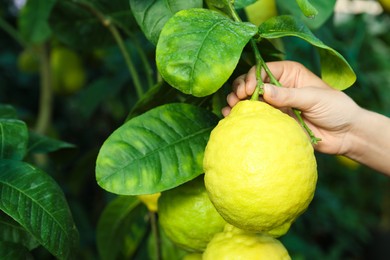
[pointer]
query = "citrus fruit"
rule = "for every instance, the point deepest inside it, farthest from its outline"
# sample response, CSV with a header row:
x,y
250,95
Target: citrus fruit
x,y
188,217
385,5
68,72
234,243
193,256
260,168
261,11
28,61
150,200
347,162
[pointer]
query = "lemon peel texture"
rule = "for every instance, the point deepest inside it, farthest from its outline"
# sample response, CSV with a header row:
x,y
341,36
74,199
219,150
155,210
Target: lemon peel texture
x,y
233,244
188,217
260,168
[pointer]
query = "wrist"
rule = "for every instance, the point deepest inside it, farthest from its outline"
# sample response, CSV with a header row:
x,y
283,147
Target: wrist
x,y
369,140
358,135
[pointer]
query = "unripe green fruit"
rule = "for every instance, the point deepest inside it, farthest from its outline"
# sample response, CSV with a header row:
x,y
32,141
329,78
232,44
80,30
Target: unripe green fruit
x,y
68,72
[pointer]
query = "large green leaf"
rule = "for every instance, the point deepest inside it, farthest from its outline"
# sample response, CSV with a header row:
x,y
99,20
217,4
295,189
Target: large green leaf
x,y
155,151
7,112
323,7
121,227
36,202
44,144
13,139
335,70
33,20
199,49
151,15
238,4
12,231
13,251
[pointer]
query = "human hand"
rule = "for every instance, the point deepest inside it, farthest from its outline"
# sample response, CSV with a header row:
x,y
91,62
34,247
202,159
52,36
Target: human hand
x,y
329,113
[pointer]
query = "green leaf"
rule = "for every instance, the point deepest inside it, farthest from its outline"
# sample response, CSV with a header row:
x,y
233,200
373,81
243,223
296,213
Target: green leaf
x,y
33,20
75,22
13,139
36,202
160,94
335,70
199,49
155,151
324,7
7,112
218,4
307,8
13,251
151,15
93,95
169,250
239,4
44,144
11,231
121,228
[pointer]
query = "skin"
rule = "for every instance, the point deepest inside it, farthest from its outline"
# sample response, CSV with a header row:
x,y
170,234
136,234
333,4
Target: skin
x,y
344,127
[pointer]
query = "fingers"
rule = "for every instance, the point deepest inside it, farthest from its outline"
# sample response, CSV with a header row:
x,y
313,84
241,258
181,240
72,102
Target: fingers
x,y
245,85
292,74
300,98
232,99
226,111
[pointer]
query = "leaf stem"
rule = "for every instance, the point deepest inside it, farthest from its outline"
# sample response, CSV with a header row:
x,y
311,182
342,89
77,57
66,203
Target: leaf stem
x,y
156,233
259,90
313,138
297,112
46,95
145,62
106,22
12,32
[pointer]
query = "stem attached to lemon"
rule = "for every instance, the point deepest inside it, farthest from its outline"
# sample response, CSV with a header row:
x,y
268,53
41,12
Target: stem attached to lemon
x,y
259,90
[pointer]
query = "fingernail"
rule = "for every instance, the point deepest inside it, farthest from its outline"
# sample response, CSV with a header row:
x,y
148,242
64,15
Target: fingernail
x,y
270,90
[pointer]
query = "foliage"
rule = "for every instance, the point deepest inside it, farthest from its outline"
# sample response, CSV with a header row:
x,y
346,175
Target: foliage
x,y
145,128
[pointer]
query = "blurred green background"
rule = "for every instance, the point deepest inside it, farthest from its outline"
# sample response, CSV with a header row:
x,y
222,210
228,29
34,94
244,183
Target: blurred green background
x,y
349,217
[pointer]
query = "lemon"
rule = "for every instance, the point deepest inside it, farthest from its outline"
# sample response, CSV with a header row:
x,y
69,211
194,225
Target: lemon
x,y
188,217
347,162
150,200
385,5
28,61
261,11
68,72
260,168
238,244
193,256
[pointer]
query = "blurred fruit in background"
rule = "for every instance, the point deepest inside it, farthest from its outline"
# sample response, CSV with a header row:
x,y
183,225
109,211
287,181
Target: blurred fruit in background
x,y
385,5
347,162
261,11
28,61
68,72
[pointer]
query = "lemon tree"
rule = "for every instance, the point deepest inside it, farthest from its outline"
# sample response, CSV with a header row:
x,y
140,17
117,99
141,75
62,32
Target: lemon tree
x,y
148,106
161,148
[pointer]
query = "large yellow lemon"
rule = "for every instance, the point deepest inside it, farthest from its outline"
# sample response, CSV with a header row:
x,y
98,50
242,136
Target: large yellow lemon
x,y
260,168
235,244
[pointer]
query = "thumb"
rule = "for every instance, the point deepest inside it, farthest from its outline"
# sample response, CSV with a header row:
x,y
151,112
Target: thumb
x,y
287,97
